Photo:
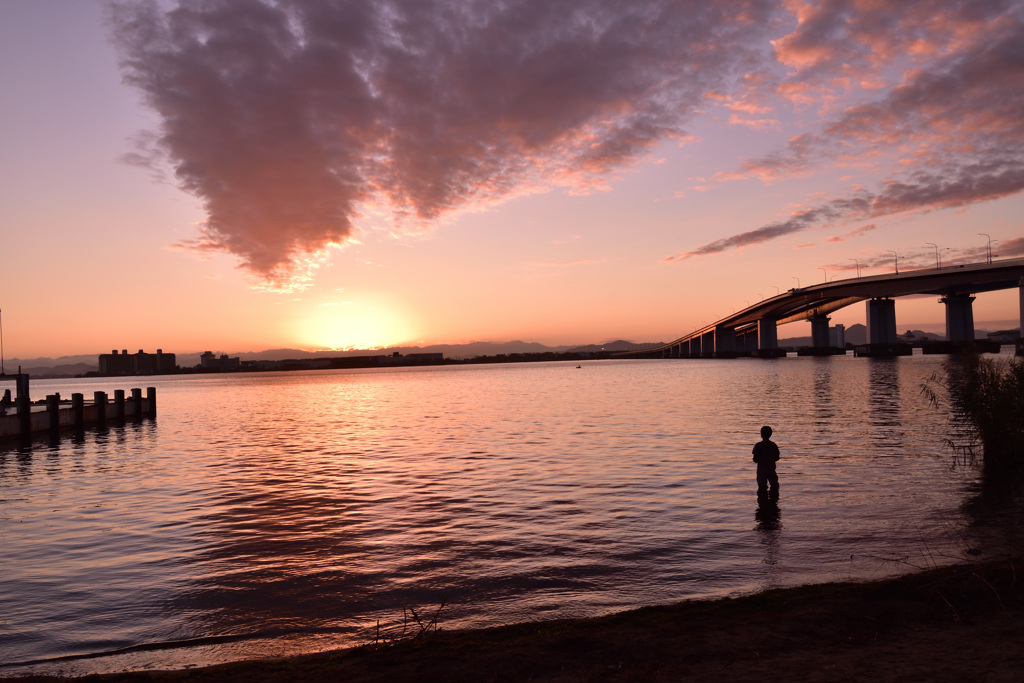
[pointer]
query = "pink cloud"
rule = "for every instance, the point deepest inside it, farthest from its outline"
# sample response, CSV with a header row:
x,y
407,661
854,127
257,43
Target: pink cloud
x,y
288,119
856,232
850,39
954,131
798,222
1010,248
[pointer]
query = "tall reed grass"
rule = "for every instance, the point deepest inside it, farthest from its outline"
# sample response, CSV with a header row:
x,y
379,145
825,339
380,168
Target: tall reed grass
x,y
987,399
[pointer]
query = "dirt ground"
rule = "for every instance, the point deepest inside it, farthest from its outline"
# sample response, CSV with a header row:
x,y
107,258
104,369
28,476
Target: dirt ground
x,y
963,623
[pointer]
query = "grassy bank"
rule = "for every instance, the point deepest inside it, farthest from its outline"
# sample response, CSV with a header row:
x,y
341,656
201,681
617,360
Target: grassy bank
x,y
953,624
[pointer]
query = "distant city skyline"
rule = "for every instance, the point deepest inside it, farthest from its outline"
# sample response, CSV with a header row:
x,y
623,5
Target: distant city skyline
x,y
193,176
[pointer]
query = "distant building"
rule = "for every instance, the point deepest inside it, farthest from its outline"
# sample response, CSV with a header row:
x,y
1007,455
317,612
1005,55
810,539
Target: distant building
x,y
837,336
908,337
140,363
208,361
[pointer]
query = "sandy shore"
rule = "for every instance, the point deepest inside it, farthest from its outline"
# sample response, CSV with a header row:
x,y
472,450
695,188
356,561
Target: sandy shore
x,y
962,623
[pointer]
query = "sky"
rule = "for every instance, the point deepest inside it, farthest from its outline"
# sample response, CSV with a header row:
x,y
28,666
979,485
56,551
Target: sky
x,y
251,174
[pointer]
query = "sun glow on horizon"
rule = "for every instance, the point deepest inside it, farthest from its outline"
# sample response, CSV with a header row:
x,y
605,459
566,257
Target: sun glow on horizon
x,y
354,325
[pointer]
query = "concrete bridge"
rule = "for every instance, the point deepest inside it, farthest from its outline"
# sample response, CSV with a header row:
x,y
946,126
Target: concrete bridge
x,y
753,331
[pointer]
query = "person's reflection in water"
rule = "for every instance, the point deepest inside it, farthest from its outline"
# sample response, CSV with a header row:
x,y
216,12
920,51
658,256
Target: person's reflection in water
x,y
768,516
769,531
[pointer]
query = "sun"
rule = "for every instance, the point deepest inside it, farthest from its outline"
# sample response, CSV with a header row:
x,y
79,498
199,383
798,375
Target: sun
x,y
353,325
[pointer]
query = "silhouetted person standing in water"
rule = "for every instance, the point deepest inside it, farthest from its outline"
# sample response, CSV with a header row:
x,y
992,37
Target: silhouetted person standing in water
x,y
766,454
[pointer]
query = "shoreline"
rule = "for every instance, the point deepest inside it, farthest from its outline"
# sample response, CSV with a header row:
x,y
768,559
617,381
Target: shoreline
x,y
958,622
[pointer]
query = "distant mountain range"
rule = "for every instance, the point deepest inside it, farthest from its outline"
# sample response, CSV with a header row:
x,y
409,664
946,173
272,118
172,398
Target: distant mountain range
x,y
70,366
65,366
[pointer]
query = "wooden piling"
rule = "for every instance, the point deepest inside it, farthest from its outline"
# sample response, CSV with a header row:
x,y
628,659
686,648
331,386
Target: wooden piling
x,y
151,399
119,404
99,399
24,403
137,403
78,408
53,412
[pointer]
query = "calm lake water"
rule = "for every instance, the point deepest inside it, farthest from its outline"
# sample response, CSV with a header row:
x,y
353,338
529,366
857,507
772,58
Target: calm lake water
x,y
268,514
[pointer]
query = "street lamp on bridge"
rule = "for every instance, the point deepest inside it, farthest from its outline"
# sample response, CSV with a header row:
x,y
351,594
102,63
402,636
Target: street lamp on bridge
x,y
797,281
988,247
896,260
936,247
858,265
824,271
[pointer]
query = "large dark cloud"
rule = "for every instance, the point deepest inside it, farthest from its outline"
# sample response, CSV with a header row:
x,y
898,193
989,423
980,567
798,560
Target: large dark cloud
x,y
289,117
952,131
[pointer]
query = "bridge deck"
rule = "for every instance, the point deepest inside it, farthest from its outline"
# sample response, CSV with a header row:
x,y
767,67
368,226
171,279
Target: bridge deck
x,y
805,303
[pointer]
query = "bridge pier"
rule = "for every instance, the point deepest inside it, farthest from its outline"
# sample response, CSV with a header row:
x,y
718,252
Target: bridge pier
x,y
882,336
725,342
959,317
695,347
749,344
821,339
819,332
881,319
767,334
767,339
707,344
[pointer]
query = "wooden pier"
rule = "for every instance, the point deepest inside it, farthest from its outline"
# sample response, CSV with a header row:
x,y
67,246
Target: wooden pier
x,y
24,419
